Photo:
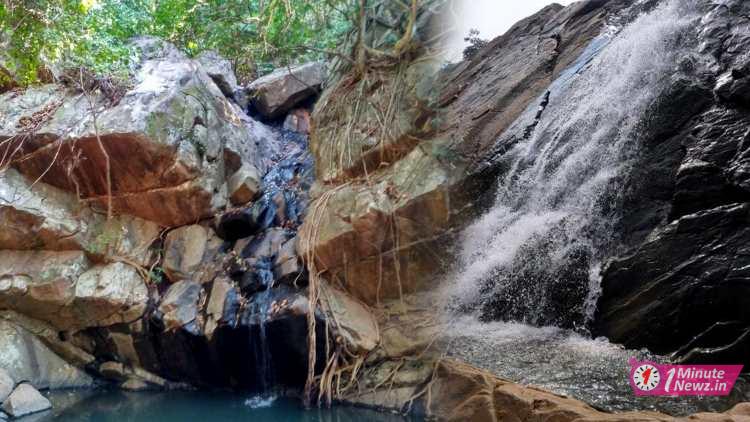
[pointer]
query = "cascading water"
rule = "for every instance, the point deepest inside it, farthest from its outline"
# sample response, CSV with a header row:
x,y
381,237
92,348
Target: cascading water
x,y
534,256
533,259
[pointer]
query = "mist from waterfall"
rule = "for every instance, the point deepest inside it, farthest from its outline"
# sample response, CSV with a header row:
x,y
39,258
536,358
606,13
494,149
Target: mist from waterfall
x,y
535,256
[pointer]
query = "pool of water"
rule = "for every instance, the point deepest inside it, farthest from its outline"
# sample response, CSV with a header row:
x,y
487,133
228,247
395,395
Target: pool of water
x,y
176,406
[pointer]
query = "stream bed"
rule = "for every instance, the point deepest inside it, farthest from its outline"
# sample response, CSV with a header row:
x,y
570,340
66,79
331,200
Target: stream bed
x,y
592,370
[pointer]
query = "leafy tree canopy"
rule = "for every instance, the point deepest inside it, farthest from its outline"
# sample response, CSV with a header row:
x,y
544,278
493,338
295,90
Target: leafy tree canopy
x,y
256,35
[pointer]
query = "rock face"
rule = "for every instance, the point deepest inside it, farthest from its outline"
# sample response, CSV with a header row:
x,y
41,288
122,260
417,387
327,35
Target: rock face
x,y
25,357
25,400
6,385
39,216
220,70
189,252
680,290
64,290
394,195
278,92
165,139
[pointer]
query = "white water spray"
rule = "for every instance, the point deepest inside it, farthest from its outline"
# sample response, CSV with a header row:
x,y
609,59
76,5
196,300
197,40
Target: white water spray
x,y
533,256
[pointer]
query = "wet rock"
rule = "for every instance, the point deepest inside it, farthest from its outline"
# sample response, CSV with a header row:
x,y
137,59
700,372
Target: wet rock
x,y
113,371
25,400
220,70
276,93
693,267
25,357
135,385
460,392
180,306
165,140
240,223
244,185
298,120
6,384
190,253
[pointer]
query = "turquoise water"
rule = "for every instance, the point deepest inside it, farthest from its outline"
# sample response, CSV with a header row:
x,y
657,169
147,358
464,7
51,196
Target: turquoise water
x,y
118,406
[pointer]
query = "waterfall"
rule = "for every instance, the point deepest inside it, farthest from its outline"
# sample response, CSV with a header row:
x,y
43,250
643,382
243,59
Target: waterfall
x,y
534,256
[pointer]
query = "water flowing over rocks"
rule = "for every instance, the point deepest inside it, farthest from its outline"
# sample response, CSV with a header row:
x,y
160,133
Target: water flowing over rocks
x,y
602,141
680,290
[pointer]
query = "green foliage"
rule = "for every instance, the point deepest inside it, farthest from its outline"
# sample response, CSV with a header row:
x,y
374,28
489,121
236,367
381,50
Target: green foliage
x,y
156,275
256,35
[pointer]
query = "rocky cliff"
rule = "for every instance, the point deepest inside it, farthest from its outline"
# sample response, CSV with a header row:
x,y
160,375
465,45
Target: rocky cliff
x,y
166,239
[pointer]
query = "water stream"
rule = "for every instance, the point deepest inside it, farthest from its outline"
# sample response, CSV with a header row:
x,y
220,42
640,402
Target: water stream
x,y
533,259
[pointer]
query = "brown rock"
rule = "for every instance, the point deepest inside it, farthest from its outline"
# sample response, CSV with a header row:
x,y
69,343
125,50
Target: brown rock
x,y
113,371
244,185
40,284
44,217
387,237
350,319
59,287
298,120
189,252
165,140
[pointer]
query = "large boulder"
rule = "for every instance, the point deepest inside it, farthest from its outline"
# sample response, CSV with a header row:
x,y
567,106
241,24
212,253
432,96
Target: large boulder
x,y
278,92
693,268
40,284
165,139
108,295
350,319
36,216
220,70
25,400
179,308
190,252
448,390
63,289
26,357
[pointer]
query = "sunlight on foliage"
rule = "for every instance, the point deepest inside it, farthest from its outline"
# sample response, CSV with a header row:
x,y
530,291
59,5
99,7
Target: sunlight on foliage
x,y
256,35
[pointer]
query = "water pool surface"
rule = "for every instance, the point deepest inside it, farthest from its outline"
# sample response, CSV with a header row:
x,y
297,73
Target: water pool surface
x,y
175,406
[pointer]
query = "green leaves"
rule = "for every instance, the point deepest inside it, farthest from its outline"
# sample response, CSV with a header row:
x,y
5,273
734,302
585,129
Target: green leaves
x,y
253,34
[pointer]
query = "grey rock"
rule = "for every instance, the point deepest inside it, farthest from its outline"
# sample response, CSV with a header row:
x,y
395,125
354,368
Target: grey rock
x,y
220,70
6,384
25,357
25,400
165,139
180,306
278,92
